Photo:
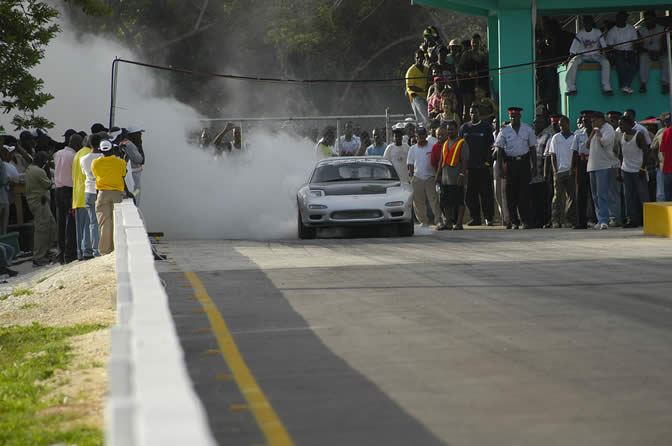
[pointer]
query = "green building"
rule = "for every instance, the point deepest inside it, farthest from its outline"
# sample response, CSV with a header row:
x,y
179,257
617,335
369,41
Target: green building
x,y
511,41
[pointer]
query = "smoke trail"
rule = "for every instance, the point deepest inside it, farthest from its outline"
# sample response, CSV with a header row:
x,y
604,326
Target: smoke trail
x,y
186,193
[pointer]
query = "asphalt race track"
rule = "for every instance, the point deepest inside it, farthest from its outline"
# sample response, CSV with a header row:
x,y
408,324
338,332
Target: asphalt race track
x,y
474,337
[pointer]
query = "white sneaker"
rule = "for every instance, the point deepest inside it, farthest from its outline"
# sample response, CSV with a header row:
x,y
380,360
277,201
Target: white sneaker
x,y
596,226
604,226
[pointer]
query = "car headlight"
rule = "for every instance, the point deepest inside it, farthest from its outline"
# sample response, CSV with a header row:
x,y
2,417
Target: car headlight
x,y
316,206
316,193
394,203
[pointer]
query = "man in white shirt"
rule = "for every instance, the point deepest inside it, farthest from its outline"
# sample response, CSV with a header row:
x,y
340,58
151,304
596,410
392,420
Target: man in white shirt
x,y
620,37
516,147
602,163
348,143
422,179
587,47
652,50
397,154
560,152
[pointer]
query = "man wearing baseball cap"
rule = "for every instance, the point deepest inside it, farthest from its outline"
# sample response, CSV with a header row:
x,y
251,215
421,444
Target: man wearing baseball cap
x,y
516,152
109,172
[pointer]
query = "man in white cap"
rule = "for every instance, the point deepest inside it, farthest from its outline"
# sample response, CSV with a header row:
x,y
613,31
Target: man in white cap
x,y
109,172
131,143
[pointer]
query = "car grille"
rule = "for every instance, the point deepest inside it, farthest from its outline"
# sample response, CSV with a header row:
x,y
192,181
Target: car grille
x,y
358,214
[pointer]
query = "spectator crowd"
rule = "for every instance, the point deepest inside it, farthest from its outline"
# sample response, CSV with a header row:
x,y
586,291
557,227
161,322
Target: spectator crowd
x,y
61,195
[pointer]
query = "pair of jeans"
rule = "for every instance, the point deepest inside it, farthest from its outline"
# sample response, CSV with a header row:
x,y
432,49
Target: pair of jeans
x,y
667,184
83,234
94,236
600,183
636,194
615,199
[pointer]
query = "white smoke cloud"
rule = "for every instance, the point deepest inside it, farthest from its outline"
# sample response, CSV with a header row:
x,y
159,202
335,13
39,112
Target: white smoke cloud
x,y
185,193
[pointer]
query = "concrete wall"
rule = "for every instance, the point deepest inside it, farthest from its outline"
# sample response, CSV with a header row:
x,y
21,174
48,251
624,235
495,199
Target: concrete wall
x,y
590,96
150,399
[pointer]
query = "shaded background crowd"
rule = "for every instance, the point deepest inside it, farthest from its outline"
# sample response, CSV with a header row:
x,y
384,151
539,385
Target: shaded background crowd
x,y
57,197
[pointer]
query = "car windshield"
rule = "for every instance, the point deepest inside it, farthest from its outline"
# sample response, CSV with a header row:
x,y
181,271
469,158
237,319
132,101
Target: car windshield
x,y
354,171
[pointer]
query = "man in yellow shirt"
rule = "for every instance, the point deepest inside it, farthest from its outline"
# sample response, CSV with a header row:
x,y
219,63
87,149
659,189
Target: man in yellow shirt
x,y
84,251
109,172
416,87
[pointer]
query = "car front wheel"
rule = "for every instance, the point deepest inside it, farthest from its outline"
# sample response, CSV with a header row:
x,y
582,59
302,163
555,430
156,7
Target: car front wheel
x,y
305,232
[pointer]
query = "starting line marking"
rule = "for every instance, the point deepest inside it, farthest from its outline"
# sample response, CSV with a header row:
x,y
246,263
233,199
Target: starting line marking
x,y
267,419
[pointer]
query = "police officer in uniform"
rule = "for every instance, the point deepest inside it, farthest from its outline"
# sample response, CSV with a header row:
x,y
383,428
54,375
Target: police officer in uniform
x,y
517,162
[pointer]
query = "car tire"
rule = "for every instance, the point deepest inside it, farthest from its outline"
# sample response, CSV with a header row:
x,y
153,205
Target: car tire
x,y
305,233
406,229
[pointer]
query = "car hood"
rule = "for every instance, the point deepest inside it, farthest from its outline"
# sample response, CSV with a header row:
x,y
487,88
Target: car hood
x,y
355,187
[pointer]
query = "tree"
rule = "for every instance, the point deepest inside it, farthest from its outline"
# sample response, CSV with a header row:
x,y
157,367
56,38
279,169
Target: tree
x,y
26,27
25,30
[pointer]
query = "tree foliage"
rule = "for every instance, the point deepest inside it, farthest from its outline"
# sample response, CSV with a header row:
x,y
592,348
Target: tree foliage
x,y
25,30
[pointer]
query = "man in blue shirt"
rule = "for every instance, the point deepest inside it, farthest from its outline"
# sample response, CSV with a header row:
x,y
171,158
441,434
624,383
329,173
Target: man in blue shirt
x,y
378,147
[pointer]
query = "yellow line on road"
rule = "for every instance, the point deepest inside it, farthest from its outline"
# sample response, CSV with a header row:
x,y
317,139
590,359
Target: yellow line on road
x,y
267,419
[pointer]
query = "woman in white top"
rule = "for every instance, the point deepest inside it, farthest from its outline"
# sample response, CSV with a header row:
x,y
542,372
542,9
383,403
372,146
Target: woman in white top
x,y
633,153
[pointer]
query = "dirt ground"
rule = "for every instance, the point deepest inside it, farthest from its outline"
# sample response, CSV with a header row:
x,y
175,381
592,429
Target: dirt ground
x,y
77,293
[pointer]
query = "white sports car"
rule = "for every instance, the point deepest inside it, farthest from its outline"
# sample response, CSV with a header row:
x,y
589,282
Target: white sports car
x,y
351,191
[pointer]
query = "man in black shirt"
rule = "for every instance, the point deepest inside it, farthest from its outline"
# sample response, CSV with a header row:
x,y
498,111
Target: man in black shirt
x,y
479,136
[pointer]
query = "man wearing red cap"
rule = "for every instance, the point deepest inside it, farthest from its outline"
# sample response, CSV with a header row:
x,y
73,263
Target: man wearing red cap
x,y
515,154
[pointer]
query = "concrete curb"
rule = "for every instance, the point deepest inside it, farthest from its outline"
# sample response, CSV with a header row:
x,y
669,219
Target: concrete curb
x,y
151,400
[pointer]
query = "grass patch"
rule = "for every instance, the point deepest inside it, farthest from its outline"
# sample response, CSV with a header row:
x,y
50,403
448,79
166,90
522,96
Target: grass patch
x,y
27,306
27,355
5,296
22,292
42,279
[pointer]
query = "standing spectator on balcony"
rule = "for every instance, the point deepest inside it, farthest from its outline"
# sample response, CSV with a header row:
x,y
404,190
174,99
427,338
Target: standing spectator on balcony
x,y
448,112
416,87
560,153
580,152
652,50
397,154
109,172
516,145
38,186
590,43
633,150
602,163
422,179
480,194
473,64
67,234
348,143
620,37
487,108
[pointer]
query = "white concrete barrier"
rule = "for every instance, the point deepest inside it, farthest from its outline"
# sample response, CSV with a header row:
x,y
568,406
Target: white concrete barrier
x,y
151,399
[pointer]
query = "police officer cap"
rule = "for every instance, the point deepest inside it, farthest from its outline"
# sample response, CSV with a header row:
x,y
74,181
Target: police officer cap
x,y
614,114
555,118
515,110
587,112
